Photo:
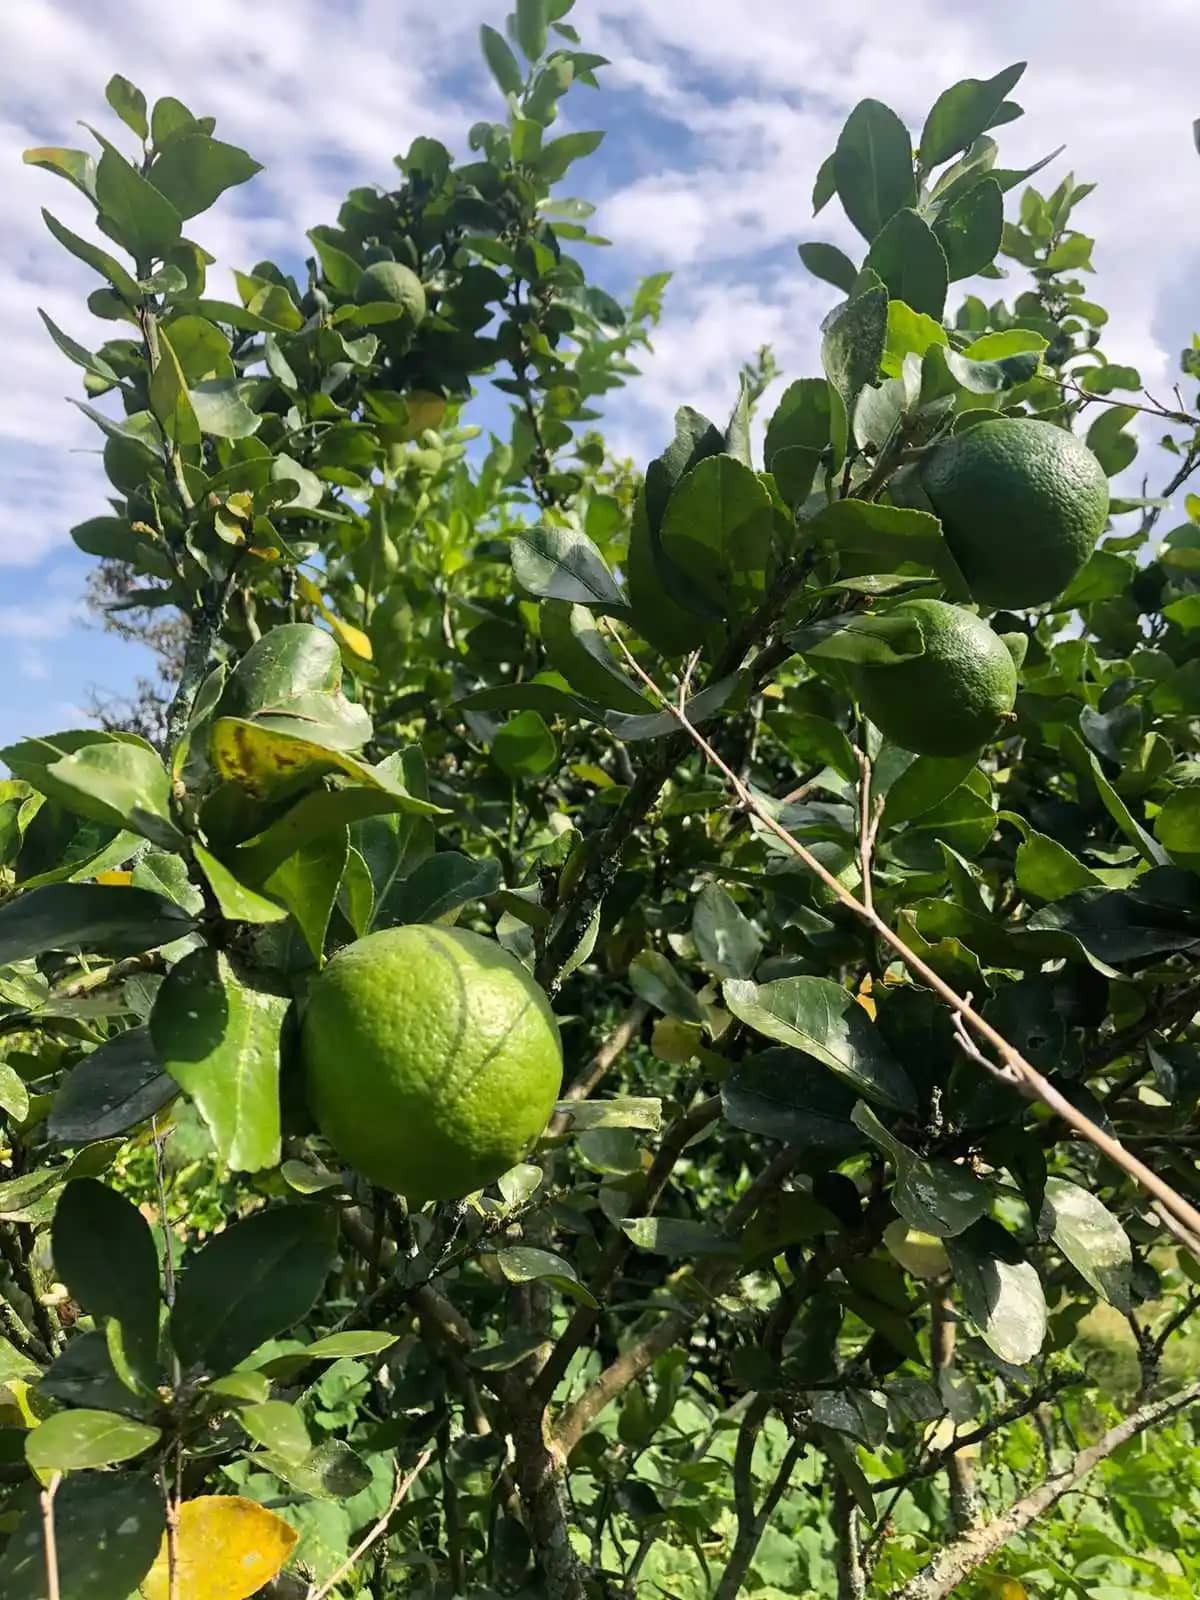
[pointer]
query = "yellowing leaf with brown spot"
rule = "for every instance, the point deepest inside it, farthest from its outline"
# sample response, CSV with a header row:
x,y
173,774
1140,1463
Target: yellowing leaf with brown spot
x,y
353,638
228,1548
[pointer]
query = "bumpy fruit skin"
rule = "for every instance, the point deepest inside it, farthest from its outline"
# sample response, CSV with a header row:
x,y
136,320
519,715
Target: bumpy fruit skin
x,y
1022,504
393,282
950,700
433,1060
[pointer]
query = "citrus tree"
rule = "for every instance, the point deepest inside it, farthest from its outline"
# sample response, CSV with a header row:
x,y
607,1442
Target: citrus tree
x,y
824,797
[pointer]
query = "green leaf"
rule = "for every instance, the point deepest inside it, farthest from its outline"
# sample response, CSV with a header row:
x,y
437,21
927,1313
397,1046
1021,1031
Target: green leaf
x,y
278,1427
924,783
873,167
935,1197
655,981
194,170
863,639
1177,826
564,564
831,265
823,1020
220,410
678,1236
796,435
969,231
1048,870
524,1264
625,1111
105,1254
504,66
318,814
524,747
129,103
307,882
291,679
1108,441
1003,1299
76,166
124,785
911,262
852,344
532,19
170,399
251,1282
558,155
88,916
116,1088
962,113
235,900
576,648
717,529
72,1440
1090,1237
506,1352
99,260
108,1531
728,942
333,1471
777,1094
218,1037
14,1096
440,887
394,845
132,211
895,535
99,368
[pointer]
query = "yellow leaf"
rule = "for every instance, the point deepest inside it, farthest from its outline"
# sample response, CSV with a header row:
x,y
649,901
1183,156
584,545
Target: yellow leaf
x,y
353,638
227,1549
864,997
119,878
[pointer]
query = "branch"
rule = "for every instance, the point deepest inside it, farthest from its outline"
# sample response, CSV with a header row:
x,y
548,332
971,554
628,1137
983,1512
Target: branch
x,y
951,1565
681,1132
750,1531
1012,1063
403,1485
851,1571
943,1336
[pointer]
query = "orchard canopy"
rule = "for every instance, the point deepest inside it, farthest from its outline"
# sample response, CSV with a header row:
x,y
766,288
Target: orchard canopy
x,y
834,778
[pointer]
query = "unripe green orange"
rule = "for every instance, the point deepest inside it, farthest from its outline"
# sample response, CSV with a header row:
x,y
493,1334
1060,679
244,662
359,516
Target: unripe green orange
x,y
432,1059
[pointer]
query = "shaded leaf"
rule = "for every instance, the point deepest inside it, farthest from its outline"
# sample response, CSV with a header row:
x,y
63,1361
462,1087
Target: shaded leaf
x,y
120,1085
105,1254
108,1529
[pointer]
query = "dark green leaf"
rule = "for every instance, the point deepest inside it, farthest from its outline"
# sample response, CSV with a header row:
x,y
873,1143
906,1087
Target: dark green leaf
x,y
500,59
307,882
678,1236
563,564
823,1020
128,101
251,1282
333,1471
122,784
108,1531
524,1264
864,639
963,112
532,19
88,916
132,211
852,345
779,1094
441,885
117,1087
218,1037
935,1197
910,261
831,265
105,1254
558,155
717,529
194,170
873,167
99,260
969,231
728,942
656,982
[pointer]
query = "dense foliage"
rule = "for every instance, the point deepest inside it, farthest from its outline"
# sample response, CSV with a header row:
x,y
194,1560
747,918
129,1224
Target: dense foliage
x,y
810,1285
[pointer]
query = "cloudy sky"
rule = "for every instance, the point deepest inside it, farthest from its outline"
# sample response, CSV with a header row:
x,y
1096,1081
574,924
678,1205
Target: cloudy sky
x,y
718,116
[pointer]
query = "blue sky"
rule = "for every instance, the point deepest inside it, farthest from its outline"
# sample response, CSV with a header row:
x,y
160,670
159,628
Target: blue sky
x,y
717,116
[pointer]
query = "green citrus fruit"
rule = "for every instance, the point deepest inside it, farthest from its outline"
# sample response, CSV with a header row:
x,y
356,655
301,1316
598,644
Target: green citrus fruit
x,y
1022,504
433,1060
396,284
952,699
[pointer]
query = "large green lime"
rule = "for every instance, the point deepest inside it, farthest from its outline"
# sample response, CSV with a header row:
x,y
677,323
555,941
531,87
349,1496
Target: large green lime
x,y
393,283
1022,504
952,699
433,1060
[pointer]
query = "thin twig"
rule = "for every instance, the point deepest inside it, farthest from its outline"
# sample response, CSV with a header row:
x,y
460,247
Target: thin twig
x,y
49,1538
1011,1061
403,1485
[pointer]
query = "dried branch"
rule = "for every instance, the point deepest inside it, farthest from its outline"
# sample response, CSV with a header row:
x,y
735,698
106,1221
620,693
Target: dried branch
x,y
1010,1061
952,1564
